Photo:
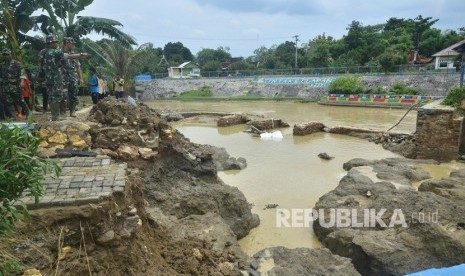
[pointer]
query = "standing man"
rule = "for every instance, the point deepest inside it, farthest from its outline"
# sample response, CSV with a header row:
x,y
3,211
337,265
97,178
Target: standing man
x,y
12,77
94,86
72,76
53,60
119,86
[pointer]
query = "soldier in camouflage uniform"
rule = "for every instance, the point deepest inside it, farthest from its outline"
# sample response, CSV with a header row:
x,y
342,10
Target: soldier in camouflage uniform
x,y
72,76
53,61
12,77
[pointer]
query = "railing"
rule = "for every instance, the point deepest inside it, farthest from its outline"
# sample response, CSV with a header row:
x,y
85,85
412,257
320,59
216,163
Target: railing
x,y
400,70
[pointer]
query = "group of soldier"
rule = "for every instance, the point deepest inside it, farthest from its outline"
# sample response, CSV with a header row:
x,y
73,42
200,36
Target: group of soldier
x,y
12,79
60,72
63,75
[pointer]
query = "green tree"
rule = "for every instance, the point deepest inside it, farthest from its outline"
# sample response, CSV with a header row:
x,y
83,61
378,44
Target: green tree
x,y
176,53
418,26
63,20
15,21
319,51
145,60
212,56
394,55
285,54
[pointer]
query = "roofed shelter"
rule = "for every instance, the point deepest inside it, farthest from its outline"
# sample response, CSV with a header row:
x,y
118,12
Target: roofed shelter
x,y
185,70
461,49
446,57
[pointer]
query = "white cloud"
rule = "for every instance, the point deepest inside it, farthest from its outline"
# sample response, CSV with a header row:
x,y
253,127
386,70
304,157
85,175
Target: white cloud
x,y
244,25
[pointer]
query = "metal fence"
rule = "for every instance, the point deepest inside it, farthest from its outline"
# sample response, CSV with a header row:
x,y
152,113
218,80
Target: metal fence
x,y
407,69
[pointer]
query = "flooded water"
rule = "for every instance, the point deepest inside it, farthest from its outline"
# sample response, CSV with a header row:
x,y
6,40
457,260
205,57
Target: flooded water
x,y
287,172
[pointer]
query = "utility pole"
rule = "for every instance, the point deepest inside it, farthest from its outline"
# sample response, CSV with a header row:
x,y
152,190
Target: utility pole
x,y
296,40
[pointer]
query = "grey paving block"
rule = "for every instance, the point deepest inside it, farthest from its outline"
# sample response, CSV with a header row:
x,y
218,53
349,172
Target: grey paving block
x,y
88,179
83,191
118,189
106,162
78,178
97,183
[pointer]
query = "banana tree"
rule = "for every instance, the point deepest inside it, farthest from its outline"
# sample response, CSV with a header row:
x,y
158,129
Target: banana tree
x,y
16,21
63,20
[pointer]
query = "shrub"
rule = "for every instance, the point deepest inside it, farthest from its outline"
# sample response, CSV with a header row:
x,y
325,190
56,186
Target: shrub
x,y
20,169
10,267
347,85
455,97
401,89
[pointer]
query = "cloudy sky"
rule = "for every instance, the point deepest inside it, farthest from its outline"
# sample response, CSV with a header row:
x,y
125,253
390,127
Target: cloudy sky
x,y
245,25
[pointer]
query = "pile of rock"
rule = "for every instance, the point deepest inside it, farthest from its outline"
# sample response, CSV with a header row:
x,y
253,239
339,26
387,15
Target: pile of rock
x,y
126,132
259,122
64,135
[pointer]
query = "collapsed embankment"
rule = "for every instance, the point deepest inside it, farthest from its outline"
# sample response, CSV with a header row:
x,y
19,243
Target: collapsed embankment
x,y
175,217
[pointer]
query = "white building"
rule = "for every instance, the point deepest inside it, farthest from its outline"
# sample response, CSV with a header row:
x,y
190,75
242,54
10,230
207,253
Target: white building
x,y
185,70
445,58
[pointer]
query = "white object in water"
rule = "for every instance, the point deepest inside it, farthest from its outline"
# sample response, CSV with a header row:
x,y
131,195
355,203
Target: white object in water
x,y
132,101
275,136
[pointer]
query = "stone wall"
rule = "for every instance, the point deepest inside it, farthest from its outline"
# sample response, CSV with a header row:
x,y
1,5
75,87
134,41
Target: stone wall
x,y
438,133
308,87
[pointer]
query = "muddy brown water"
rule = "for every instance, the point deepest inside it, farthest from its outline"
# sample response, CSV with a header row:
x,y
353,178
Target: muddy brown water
x,y
289,172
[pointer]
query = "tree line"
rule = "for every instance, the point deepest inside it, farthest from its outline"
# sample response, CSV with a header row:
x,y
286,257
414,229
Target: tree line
x,y
384,46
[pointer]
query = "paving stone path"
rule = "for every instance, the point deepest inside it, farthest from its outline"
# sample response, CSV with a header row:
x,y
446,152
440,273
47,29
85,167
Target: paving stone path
x,y
83,180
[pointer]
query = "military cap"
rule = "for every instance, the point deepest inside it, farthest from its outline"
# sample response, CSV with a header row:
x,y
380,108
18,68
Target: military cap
x,y
6,52
50,38
69,39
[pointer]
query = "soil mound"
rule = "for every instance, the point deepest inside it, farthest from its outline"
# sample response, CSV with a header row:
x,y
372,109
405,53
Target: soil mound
x,y
175,216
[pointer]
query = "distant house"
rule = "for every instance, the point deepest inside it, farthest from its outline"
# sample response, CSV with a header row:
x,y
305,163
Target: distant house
x,y
414,58
185,70
227,65
446,57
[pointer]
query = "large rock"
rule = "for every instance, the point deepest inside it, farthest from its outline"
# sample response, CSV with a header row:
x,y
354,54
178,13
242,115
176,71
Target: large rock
x,y
267,124
307,128
220,157
397,170
300,261
433,234
210,228
452,187
231,120
186,183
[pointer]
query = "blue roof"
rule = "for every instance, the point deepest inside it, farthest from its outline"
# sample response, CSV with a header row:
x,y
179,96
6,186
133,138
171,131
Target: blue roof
x,y
458,270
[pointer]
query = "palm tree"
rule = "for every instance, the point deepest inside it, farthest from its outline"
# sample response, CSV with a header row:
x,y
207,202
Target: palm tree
x,y
63,20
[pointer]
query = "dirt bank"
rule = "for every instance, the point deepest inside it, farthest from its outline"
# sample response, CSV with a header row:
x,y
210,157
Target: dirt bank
x,y
157,226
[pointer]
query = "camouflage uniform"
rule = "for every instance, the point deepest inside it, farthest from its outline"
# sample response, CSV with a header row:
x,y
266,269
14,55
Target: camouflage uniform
x,y
70,77
43,86
53,62
11,73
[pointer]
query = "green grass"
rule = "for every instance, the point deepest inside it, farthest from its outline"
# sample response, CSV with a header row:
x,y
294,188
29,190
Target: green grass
x,y
204,92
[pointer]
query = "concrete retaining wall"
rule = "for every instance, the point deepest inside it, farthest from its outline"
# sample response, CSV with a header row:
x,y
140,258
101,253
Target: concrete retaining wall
x,y
439,132
307,87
